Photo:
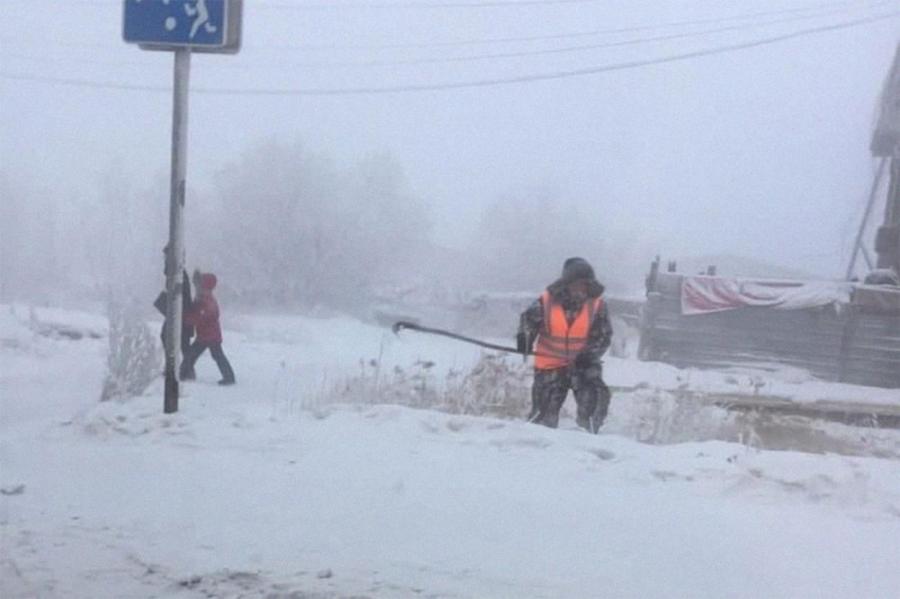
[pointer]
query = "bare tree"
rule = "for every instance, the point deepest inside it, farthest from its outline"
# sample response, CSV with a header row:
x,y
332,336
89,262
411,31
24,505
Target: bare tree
x,y
299,230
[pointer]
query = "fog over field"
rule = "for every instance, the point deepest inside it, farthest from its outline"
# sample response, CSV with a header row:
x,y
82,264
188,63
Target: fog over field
x,y
469,144
370,396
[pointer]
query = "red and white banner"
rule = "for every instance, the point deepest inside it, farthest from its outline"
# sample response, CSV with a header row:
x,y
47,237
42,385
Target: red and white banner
x,y
703,295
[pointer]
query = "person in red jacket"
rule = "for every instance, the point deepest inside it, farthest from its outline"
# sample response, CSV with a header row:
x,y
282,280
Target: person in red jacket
x,y
204,316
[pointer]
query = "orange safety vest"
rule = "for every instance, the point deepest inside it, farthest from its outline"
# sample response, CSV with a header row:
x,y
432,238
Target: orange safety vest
x,y
559,342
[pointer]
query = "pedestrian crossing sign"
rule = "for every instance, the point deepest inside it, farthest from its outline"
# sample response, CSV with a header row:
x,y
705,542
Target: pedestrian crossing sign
x,y
202,25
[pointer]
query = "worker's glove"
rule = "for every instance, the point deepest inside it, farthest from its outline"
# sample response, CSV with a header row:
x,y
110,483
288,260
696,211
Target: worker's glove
x,y
583,361
522,343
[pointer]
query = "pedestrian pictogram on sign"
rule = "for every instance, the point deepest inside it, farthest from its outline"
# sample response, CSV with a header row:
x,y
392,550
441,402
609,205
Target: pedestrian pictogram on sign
x,y
202,25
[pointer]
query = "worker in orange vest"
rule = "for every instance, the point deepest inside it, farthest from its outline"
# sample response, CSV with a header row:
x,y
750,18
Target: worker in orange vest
x,y
571,325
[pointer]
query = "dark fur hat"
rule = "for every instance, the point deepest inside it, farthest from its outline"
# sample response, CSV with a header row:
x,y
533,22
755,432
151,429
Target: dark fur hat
x,y
575,269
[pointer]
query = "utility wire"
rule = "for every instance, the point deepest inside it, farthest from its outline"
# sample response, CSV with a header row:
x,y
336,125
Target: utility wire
x,y
297,6
349,91
564,49
300,6
423,5
565,35
825,6
280,64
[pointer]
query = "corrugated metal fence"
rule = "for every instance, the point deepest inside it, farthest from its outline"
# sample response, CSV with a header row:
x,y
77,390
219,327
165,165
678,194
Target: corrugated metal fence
x,y
855,343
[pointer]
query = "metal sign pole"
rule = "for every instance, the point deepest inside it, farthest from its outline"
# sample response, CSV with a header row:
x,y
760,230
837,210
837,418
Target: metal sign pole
x,y
175,256
180,26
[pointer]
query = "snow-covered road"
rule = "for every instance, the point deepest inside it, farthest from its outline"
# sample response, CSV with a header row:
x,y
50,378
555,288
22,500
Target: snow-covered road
x,y
244,494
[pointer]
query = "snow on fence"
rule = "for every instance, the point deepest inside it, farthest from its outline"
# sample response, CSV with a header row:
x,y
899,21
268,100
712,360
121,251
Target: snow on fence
x,y
836,331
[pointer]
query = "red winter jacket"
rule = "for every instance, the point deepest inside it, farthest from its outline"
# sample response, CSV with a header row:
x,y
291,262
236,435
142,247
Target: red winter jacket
x,y
204,312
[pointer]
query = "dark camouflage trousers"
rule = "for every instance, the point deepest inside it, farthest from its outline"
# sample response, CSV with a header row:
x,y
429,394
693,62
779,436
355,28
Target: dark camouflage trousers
x,y
551,387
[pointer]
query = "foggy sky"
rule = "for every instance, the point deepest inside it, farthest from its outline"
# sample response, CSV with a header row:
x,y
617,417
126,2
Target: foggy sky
x,y
761,152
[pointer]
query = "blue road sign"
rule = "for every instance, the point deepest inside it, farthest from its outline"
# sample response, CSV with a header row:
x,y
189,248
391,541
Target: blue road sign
x,y
182,23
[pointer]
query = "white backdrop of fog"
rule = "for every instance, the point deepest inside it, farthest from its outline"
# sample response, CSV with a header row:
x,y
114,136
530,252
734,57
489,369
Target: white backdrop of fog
x,y
300,199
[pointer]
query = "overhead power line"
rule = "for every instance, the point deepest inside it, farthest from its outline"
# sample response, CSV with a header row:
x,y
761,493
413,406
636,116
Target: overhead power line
x,y
564,35
281,63
309,6
564,49
580,72
407,5
420,5
827,8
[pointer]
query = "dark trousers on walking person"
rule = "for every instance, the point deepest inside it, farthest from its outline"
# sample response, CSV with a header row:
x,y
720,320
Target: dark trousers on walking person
x,y
194,352
548,393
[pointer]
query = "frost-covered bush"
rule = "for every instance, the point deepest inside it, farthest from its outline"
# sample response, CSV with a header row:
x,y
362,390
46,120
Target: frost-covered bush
x,y
495,385
133,361
659,417
415,386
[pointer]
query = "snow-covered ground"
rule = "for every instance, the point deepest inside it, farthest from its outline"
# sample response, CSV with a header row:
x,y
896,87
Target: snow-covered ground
x,y
270,489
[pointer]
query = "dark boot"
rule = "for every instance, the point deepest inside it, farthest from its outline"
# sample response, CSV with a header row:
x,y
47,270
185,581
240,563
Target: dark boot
x,y
592,397
548,392
223,364
186,372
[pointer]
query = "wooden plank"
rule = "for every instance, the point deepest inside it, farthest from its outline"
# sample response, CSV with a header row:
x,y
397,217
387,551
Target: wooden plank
x,y
854,413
